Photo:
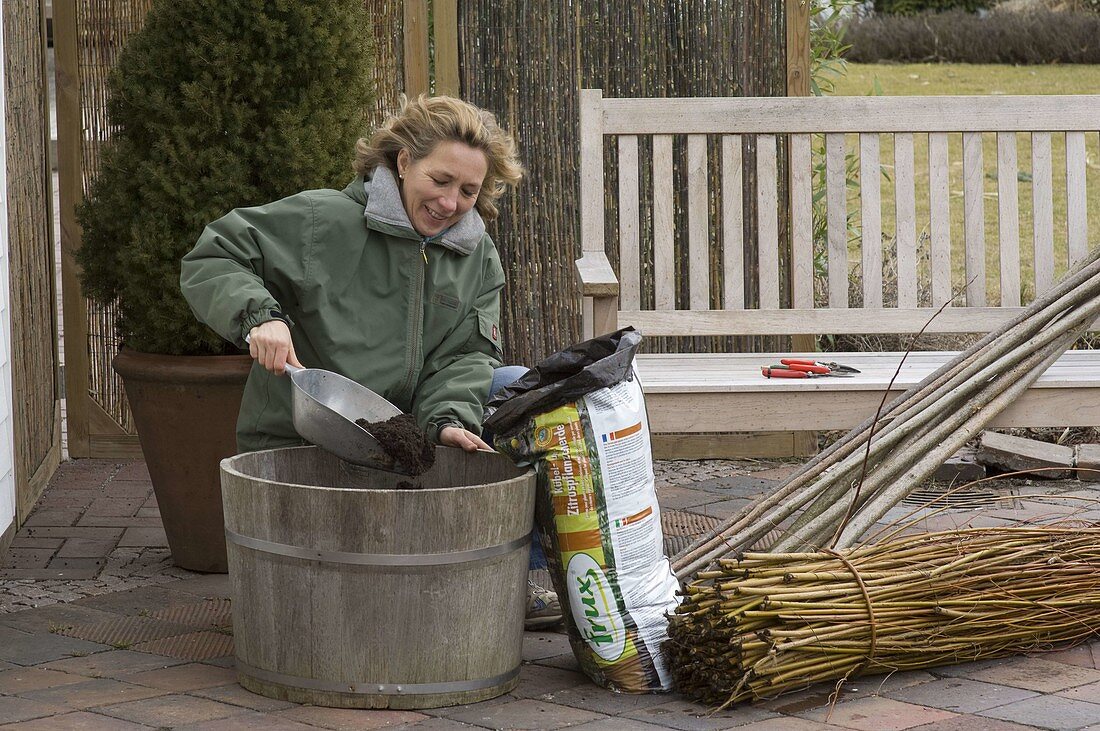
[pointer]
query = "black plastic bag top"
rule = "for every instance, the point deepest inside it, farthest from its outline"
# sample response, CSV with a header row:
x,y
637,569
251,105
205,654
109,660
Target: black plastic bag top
x,y
563,377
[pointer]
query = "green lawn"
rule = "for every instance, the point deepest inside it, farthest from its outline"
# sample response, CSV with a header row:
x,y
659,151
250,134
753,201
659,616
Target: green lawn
x,y
943,79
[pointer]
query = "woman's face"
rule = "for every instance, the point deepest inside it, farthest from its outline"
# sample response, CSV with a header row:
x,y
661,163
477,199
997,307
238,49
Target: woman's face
x,y
439,189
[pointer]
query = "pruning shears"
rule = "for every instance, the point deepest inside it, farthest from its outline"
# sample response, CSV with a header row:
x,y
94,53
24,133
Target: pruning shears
x,y
798,368
829,366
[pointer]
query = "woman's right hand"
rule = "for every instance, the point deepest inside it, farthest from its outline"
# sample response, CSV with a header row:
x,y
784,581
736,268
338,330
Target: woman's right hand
x,y
270,345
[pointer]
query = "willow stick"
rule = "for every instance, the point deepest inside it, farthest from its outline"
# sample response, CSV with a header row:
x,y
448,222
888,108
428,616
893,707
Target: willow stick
x,y
851,442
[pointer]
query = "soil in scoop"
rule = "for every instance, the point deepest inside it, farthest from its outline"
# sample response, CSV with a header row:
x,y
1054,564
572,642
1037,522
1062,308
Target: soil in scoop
x,y
402,440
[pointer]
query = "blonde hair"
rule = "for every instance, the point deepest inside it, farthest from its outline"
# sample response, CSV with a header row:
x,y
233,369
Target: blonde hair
x,y
423,123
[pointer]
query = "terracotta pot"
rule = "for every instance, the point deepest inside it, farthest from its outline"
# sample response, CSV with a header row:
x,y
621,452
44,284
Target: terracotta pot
x,y
185,409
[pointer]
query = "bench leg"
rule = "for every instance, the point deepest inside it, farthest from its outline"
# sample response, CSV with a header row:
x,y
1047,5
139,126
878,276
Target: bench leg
x,y
605,315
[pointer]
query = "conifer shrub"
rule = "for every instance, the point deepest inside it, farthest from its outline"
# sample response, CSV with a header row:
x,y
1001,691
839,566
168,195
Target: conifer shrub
x,y
217,104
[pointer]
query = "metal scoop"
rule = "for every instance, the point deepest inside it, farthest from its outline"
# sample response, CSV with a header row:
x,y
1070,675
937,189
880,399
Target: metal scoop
x,y
325,406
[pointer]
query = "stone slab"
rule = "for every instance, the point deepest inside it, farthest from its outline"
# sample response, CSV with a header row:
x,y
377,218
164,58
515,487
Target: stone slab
x,y
960,695
878,714
1088,462
959,470
144,536
21,680
172,710
13,710
23,648
1032,673
598,700
1048,711
1017,454
736,486
80,721
539,681
524,714
116,664
53,618
92,693
235,695
687,716
346,719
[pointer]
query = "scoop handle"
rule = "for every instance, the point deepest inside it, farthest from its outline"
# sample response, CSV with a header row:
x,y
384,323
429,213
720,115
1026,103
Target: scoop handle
x,y
287,368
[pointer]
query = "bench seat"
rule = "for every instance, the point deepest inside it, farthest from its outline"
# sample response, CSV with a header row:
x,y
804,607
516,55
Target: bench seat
x,y
725,392
794,218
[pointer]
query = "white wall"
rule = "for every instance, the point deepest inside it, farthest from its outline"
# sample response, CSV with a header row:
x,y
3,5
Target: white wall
x,y
7,445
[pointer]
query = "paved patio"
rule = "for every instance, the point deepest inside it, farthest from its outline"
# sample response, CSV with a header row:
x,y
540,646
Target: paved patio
x,y
99,631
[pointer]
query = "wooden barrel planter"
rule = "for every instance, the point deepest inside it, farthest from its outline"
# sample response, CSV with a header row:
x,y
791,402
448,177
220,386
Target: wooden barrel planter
x,y
350,593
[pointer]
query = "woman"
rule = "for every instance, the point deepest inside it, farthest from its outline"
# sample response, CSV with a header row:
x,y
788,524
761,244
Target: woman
x,y
393,282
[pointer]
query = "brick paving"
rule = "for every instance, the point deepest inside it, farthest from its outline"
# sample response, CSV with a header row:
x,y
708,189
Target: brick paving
x,y
98,630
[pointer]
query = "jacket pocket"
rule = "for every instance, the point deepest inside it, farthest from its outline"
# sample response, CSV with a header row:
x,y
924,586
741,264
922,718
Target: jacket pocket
x,y
490,330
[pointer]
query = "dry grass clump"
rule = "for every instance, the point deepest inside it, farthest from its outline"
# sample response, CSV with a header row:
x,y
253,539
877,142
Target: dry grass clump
x,y
1036,37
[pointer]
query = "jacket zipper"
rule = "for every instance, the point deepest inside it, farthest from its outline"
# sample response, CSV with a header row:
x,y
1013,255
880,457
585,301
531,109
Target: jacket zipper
x,y
416,319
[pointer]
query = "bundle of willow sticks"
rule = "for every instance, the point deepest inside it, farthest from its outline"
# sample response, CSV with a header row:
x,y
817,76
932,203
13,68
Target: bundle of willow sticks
x,y
836,497
765,623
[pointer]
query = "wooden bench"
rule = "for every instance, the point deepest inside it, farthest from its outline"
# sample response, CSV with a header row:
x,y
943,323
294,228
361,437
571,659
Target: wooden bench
x,y
686,272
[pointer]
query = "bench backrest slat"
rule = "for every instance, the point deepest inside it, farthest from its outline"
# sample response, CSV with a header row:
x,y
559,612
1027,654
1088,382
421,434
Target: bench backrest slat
x,y
815,115
871,208
905,211
698,202
733,229
802,224
1008,218
664,225
767,222
1042,187
974,218
719,169
939,195
1076,218
836,200
630,235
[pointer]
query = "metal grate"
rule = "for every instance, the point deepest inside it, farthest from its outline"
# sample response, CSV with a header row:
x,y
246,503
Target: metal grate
x,y
124,632
192,646
969,498
682,528
213,612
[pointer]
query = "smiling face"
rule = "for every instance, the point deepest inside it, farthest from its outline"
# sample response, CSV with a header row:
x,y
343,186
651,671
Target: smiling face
x,y
442,187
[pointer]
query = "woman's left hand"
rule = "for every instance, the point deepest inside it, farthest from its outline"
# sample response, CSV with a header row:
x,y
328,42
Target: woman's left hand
x,y
453,436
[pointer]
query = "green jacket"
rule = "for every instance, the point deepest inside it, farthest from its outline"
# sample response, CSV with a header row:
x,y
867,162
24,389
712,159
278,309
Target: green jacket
x,y
415,320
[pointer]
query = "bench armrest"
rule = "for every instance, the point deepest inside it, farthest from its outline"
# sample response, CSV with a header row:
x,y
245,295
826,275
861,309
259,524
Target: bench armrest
x,y
597,277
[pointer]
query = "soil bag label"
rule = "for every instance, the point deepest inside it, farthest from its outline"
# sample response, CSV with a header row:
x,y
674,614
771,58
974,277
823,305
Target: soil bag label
x,y
597,510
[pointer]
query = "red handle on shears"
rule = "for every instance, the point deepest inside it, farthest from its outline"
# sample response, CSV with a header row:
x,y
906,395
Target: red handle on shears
x,y
804,365
782,373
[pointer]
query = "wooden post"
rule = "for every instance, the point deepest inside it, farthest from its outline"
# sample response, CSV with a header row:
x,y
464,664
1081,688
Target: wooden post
x,y
798,84
445,32
415,32
70,190
798,47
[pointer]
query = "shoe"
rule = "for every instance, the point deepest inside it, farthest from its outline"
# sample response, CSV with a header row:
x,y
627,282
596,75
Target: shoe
x,y
543,608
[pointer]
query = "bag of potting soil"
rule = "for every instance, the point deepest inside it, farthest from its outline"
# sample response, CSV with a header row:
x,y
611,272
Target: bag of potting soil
x,y
579,418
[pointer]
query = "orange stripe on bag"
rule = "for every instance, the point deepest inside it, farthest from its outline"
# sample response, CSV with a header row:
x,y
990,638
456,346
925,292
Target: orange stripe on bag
x,y
584,540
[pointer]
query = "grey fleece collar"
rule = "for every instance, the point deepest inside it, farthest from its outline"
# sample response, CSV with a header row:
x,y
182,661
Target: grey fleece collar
x,y
384,205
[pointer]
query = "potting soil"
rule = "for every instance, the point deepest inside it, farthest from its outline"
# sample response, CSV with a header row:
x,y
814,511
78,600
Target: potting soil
x,y
402,440
579,418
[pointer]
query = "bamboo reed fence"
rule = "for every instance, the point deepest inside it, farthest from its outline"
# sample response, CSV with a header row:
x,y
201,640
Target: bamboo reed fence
x,y
88,36
36,407
526,62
